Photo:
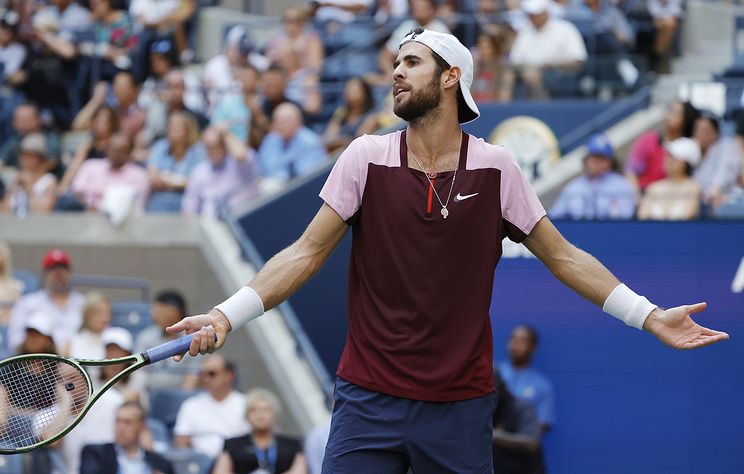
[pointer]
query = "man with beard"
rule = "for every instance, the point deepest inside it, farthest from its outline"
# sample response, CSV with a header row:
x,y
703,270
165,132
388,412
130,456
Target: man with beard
x,y
428,208
57,301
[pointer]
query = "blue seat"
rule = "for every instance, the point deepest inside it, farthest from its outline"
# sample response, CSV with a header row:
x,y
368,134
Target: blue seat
x,y
131,315
187,461
28,278
12,464
164,405
161,439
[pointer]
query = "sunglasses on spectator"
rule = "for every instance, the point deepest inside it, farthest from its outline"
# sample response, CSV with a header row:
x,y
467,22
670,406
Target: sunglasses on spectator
x,y
208,373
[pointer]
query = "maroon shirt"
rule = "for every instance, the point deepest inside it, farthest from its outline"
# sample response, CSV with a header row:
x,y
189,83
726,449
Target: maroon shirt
x,y
420,285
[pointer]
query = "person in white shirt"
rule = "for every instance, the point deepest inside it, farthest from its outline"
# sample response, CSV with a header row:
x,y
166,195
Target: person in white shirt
x,y
205,420
57,301
549,53
339,11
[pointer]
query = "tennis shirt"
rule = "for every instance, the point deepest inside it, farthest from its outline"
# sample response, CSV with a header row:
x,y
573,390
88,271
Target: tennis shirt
x,y
420,285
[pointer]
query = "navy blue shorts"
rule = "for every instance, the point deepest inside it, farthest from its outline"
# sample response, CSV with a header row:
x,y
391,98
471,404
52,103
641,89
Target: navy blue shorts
x,y
376,433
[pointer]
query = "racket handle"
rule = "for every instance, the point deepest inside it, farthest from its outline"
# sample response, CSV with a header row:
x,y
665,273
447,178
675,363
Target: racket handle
x,y
171,348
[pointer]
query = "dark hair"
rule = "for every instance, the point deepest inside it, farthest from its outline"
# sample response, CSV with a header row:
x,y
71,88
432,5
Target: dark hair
x,y
531,332
712,119
113,117
136,405
174,298
462,106
230,366
689,169
278,68
690,114
369,101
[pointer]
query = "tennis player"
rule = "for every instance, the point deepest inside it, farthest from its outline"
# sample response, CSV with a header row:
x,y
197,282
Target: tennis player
x,y
428,208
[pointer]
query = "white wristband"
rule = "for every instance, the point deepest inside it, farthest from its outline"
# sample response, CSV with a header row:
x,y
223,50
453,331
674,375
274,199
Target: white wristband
x,y
244,306
627,306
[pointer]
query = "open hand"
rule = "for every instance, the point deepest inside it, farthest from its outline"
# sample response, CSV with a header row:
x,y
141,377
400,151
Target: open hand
x,y
675,328
203,327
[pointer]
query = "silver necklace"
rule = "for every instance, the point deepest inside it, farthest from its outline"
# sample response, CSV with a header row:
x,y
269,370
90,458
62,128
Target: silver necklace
x,y
430,176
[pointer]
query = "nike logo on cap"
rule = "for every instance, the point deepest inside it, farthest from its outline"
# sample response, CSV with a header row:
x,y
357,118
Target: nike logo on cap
x,y
460,197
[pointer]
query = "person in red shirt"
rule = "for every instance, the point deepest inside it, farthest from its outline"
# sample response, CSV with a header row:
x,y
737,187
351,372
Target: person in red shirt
x,y
428,208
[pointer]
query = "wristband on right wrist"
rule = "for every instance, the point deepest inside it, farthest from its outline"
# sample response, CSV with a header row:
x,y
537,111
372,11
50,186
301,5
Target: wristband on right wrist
x,y
628,306
244,306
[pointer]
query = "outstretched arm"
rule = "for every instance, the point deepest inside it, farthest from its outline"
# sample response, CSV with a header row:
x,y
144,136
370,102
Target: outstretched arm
x,y
282,275
588,277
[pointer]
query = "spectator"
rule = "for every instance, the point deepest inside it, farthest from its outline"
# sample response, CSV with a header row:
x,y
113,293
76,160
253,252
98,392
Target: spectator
x,y
34,189
676,197
302,83
125,455
10,288
266,451
315,445
87,343
601,192
291,149
165,98
113,38
275,90
549,52
646,158
118,342
104,124
228,178
126,94
523,380
12,51
493,77
168,308
666,15
26,120
57,301
157,19
339,11
171,162
239,51
99,177
721,160
424,15
37,336
58,25
240,110
225,408
345,124
390,11
516,434
296,36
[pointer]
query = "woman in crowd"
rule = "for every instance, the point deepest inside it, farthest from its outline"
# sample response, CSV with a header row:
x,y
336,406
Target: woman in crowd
x,y
721,163
493,78
171,161
296,36
676,197
10,288
261,450
346,121
34,189
87,343
104,123
646,158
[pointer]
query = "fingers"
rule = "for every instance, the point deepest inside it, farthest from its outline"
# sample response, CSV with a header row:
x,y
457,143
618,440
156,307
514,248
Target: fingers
x,y
696,308
178,327
203,342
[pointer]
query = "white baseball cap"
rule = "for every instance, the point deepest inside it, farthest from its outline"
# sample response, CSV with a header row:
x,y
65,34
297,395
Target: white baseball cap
x,y
454,53
535,7
119,336
41,322
685,149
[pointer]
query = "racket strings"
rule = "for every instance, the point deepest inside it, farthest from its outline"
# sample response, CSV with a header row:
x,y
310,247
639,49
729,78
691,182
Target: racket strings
x,y
39,397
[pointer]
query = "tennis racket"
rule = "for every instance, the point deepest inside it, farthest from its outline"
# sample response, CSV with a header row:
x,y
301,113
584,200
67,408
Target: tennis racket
x,y
43,396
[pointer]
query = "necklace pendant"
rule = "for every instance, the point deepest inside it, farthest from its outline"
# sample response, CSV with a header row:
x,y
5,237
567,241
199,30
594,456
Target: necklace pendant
x,y
444,212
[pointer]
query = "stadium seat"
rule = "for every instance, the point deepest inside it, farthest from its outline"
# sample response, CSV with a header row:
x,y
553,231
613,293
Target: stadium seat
x,y
161,440
132,315
164,405
186,461
28,278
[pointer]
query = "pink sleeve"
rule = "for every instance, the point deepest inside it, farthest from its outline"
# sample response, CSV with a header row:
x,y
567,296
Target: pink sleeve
x,y
520,207
344,187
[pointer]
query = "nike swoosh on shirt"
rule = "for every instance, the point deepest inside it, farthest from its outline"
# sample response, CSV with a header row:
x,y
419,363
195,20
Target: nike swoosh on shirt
x,y
459,197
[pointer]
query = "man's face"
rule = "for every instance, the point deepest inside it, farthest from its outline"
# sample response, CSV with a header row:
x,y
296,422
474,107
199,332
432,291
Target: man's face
x,y
175,89
214,376
129,425
26,120
119,150
422,11
539,20
57,279
520,346
164,314
124,89
417,88
597,165
273,85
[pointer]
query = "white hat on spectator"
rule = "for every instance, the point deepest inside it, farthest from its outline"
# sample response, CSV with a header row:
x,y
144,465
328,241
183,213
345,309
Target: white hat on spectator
x,y
39,321
449,48
685,149
535,7
118,336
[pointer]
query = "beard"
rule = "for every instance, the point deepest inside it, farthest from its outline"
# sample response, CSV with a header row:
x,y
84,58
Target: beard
x,y
420,102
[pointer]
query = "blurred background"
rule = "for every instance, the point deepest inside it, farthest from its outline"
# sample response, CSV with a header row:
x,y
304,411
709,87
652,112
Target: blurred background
x,y
155,153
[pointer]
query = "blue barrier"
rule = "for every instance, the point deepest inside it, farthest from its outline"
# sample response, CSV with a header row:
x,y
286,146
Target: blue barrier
x,y
625,403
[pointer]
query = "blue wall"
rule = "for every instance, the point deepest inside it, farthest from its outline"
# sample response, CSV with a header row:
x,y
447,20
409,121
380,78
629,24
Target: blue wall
x,y
625,403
